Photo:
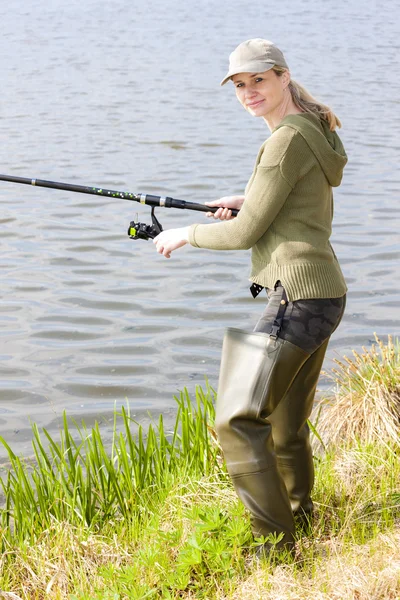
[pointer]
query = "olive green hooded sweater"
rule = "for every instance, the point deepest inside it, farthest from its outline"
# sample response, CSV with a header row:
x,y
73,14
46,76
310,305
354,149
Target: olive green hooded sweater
x,y
286,218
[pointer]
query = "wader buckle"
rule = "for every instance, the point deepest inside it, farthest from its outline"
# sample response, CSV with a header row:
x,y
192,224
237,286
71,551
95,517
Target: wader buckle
x,y
255,289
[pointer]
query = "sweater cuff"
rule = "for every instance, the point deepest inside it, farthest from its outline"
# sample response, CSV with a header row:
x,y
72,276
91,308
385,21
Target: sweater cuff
x,y
192,236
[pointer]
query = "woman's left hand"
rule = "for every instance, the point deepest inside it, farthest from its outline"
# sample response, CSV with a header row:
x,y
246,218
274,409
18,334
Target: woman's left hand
x,y
170,240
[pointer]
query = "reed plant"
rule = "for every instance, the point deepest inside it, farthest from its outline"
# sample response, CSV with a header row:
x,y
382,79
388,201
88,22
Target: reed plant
x,y
82,480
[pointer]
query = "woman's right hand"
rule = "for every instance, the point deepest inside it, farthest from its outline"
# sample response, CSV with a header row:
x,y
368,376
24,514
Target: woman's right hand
x,y
226,203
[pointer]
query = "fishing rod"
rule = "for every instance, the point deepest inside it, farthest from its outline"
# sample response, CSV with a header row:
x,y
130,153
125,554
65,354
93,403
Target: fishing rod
x,y
136,230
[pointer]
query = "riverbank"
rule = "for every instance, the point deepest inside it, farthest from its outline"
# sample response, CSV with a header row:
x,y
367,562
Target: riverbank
x,y
154,515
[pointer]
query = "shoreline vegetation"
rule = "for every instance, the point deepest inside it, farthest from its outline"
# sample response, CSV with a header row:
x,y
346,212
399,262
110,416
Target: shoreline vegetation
x,y
154,515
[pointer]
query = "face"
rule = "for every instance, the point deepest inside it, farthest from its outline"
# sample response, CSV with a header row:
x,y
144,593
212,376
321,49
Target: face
x,y
261,93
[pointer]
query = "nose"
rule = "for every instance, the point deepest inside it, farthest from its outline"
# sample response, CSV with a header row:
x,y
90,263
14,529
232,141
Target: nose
x,y
250,91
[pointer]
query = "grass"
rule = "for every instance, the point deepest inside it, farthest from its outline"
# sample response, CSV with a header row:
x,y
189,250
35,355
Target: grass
x,y
366,405
153,515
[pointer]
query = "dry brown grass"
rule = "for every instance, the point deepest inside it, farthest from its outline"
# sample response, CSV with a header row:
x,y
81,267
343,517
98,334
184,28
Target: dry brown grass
x,y
367,572
366,404
9,596
47,569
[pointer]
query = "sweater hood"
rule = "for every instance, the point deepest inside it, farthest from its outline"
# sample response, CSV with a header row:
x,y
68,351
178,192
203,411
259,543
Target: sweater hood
x,y
325,144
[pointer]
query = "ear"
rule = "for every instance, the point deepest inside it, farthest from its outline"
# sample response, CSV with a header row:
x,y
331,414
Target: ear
x,y
285,78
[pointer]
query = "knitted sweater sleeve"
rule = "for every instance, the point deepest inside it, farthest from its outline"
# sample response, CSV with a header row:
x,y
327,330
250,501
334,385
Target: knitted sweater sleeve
x,y
280,164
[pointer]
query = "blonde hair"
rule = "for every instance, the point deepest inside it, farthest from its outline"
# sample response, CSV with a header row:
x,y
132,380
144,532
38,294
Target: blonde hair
x,y
307,103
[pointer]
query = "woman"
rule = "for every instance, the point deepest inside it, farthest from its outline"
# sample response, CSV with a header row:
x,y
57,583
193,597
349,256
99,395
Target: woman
x,y
268,378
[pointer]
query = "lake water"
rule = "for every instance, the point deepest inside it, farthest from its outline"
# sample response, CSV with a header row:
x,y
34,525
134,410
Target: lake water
x,y
126,95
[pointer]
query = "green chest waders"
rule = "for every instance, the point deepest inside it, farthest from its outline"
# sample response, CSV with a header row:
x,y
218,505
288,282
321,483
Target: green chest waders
x,y
265,392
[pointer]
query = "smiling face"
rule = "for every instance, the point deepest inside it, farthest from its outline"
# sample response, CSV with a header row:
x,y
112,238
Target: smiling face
x,y
262,94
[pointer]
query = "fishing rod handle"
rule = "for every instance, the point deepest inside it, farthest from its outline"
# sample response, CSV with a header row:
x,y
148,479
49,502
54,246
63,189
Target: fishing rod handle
x,y
175,203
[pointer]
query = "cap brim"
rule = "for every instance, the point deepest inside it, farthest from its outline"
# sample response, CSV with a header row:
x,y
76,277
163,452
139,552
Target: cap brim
x,y
253,67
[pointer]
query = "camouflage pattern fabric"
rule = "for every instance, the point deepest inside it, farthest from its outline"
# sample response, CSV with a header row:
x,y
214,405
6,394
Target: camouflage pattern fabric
x,y
306,323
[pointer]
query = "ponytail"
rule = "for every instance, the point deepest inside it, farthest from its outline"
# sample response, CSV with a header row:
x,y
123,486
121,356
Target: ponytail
x,y
307,103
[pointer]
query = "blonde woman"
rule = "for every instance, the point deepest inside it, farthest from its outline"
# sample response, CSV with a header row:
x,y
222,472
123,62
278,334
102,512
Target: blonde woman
x,y
268,377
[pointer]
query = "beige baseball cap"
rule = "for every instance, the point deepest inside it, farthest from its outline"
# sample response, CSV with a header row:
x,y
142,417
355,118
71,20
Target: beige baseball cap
x,y
254,56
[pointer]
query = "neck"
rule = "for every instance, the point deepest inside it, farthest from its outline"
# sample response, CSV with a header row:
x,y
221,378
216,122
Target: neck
x,y
287,107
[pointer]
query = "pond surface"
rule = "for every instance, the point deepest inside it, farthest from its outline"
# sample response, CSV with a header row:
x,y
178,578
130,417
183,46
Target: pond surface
x,y
126,95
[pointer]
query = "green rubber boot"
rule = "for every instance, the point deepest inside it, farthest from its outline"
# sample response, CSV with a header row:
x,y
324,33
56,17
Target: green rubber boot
x,y
256,373
291,434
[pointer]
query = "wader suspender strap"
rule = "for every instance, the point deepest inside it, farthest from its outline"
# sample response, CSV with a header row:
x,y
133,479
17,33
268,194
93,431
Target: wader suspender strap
x,y
255,289
276,327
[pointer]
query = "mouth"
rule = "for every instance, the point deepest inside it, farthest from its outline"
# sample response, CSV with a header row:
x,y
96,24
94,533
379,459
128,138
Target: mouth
x,y
254,104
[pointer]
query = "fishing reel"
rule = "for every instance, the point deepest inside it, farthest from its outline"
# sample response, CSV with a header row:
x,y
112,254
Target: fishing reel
x,y
141,231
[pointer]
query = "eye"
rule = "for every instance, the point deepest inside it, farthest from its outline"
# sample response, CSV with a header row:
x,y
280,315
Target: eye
x,y
239,85
258,79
